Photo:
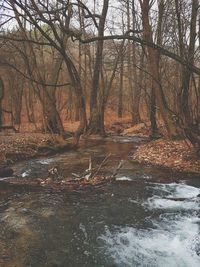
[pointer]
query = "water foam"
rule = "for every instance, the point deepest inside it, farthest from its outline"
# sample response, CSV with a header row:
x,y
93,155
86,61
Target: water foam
x,y
173,241
26,173
45,161
174,196
123,178
176,190
184,190
174,246
159,203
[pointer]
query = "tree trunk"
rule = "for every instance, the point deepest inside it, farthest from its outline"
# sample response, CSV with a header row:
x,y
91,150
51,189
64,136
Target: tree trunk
x,y
53,117
121,82
53,123
1,98
154,127
153,59
75,79
29,105
96,124
17,101
190,126
137,92
186,75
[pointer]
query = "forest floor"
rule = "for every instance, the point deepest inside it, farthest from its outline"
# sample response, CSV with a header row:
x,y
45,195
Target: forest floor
x,y
176,155
21,146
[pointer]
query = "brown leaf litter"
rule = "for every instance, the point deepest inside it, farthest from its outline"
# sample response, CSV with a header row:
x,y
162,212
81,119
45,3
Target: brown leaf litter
x,y
177,155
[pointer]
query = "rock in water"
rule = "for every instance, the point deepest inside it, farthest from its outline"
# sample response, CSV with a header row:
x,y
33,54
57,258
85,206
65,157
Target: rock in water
x,y
6,172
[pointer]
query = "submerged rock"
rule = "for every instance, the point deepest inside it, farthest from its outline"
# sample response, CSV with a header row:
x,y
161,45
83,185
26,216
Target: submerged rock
x,y
45,150
6,172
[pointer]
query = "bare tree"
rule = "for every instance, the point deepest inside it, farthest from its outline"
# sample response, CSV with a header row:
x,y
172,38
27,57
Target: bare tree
x,y
1,98
38,14
153,59
96,123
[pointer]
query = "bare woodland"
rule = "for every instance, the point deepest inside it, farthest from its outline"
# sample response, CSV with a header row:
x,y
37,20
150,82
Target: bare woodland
x,y
79,60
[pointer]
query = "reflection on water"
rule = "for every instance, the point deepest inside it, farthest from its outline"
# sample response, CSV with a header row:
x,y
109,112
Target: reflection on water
x,y
137,221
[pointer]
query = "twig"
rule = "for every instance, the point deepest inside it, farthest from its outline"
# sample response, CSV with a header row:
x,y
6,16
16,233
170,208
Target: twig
x,y
117,169
76,175
101,165
89,170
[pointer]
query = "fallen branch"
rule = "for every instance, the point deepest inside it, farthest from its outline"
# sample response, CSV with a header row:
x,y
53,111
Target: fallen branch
x,y
117,169
101,165
80,183
87,174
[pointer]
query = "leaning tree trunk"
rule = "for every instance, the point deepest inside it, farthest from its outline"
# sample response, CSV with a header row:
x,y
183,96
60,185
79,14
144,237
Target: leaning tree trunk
x,y
52,120
78,90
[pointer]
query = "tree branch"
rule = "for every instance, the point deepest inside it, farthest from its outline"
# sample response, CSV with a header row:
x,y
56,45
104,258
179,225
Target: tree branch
x,y
162,50
31,79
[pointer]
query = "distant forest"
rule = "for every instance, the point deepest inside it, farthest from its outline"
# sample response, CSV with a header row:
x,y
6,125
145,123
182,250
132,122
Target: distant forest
x,y
84,60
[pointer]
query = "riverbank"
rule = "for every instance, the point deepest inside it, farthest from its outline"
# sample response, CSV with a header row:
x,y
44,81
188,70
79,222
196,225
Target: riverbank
x,y
176,155
19,146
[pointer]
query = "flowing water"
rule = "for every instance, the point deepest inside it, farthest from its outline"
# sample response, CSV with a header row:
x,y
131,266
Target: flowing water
x,y
148,217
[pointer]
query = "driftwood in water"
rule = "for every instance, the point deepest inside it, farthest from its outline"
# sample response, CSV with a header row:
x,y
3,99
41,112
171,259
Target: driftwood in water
x,y
90,179
91,174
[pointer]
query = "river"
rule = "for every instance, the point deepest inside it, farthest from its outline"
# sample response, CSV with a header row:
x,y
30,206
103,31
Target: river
x,y
139,220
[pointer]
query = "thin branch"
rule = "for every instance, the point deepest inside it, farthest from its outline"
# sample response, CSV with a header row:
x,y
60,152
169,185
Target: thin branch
x,y
101,165
162,50
31,79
